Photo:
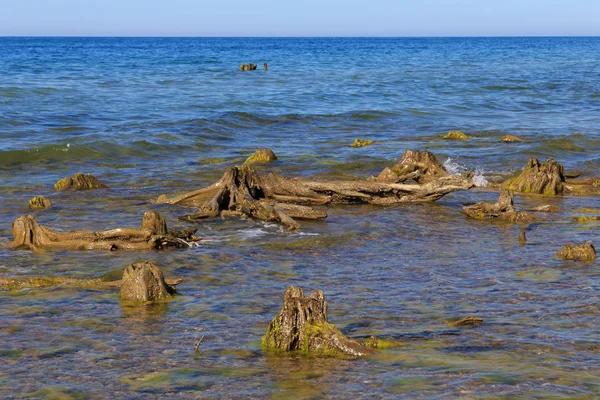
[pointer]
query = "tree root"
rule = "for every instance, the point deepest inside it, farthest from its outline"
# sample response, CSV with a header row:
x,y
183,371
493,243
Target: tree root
x,y
272,198
153,234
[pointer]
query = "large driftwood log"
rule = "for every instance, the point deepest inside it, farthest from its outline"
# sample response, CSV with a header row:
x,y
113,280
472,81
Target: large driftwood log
x,y
28,234
274,198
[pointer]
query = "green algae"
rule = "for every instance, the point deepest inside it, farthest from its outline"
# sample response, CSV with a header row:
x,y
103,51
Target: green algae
x,y
456,135
361,142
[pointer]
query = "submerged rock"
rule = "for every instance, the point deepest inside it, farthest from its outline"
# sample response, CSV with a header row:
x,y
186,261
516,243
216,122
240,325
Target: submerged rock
x,y
420,165
582,252
262,156
361,143
586,218
510,139
302,325
144,281
456,135
548,208
39,202
547,178
503,209
79,182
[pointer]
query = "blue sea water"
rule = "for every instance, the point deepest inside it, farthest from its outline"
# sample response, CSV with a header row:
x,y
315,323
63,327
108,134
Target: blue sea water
x,y
165,115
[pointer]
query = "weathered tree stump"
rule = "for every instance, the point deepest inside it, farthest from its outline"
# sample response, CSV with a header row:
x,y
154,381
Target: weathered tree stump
x,y
79,182
419,165
28,234
39,203
503,209
302,325
547,178
262,156
144,281
273,198
582,252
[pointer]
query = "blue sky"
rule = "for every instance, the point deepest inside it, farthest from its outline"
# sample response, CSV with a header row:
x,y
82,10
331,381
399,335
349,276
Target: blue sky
x,y
299,18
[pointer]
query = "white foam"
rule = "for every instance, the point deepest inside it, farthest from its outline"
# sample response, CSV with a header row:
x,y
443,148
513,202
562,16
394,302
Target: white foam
x,y
454,168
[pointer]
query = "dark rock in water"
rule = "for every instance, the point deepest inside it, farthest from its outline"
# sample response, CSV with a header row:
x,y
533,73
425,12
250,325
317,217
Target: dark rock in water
x,y
503,209
79,182
262,156
420,165
547,178
302,325
39,202
582,252
144,281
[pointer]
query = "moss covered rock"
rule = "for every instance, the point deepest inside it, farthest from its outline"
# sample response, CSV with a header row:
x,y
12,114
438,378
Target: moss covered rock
x,y
79,182
582,252
456,135
361,143
262,156
39,202
546,178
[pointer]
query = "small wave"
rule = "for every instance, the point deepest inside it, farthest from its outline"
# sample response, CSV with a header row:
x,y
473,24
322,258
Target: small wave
x,y
454,168
502,87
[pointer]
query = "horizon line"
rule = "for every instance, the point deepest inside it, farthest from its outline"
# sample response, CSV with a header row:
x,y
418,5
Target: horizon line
x,y
297,37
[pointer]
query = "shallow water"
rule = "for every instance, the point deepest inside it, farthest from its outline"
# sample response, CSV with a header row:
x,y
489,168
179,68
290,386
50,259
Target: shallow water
x,y
153,116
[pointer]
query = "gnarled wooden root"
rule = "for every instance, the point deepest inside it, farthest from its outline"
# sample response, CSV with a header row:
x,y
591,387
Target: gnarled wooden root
x,y
28,234
503,209
277,199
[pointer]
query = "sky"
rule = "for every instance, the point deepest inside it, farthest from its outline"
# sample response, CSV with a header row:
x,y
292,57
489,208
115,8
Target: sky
x,y
299,18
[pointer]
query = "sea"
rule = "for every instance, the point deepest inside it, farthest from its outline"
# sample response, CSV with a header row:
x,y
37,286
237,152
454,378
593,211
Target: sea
x,y
152,116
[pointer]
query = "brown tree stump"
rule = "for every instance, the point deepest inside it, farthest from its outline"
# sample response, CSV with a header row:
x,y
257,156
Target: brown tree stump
x,y
144,281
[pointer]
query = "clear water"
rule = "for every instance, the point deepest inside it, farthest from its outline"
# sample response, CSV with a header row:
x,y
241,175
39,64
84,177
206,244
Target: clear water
x,y
152,116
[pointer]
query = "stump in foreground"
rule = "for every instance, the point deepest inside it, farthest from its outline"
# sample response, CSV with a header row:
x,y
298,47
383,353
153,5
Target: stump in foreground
x,y
582,252
302,325
144,281
28,234
272,198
